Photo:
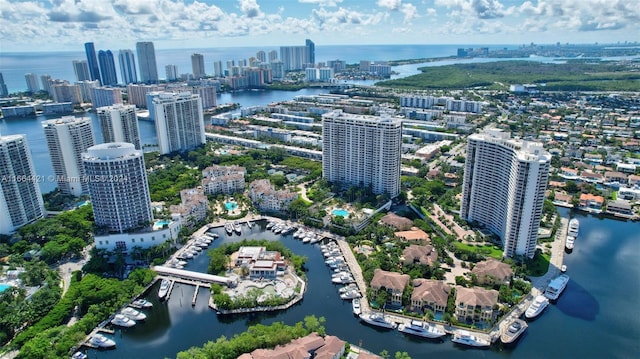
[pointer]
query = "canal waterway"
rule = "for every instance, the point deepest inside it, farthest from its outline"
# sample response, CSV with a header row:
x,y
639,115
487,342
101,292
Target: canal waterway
x,y
594,318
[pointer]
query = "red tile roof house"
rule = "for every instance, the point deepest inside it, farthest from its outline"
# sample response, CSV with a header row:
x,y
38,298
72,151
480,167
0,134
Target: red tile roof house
x,y
589,201
476,304
426,255
394,283
429,294
398,222
492,272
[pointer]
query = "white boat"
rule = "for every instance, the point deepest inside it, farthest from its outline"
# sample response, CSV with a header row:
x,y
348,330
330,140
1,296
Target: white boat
x,y
122,320
164,288
343,279
352,294
355,303
536,307
315,239
298,233
574,227
142,303
229,228
270,224
465,337
513,331
556,287
277,229
212,235
563,268
347,288
378,319
186,255
421,329
79,355
101,341
308,237
133,314
569,242
236,227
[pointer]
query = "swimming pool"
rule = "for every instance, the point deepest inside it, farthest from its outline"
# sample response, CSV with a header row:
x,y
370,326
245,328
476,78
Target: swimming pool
x,y
230,206
4,287
340,212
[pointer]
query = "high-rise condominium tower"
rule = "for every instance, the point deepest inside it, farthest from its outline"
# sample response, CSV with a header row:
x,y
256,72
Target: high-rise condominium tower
x,y
311,51
81,70
92,60
67,137
107,68
20,199
197,65
261,56
118,187
171,72
4,92
119,123
127,66
147,62
32,82
179,121
46,83
504,184
362,151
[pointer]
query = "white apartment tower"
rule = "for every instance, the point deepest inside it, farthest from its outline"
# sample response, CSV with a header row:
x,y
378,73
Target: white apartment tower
x,y
119,123
118,186
362,150
504,185
20,199
67,137
197,66
179,121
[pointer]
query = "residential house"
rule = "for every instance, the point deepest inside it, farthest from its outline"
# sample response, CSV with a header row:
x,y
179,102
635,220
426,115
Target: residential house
x,y
591,177
260,262
492,272
413,235
590,201
311,346
193,207
429,294
619,206
426,255
568,173
333,348
392,282
393,220
629,194
266,198
634,181
476,304
615,178
223,179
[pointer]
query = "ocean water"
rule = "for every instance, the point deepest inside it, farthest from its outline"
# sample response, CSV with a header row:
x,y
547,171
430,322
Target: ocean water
x,y
14,66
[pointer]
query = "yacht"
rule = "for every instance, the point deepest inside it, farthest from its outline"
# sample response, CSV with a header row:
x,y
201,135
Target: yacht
x,y
421,329
352,294
536,307
465,337
133,314
556,286
270,224
298,233
378,319
101,341
79,355
513,331
164,288
212,235
142,303
343,279
569,243
229,228
236,227
315,239
574,227
355,303
347,288
122,320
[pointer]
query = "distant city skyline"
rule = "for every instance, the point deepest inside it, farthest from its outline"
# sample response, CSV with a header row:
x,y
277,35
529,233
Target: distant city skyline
x,y
64,25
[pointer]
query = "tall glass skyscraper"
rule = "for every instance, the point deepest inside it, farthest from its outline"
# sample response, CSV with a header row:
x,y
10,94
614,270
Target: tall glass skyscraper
x,y
81,69
92,60
20,199
311,51
147,62
107,68
128,67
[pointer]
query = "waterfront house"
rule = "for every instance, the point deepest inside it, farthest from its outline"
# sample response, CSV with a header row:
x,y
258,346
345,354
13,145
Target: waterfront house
x,y
260,262
634,181
619,207
414,235
614,178
476,304
492,272
591,177
591,202
192,208
568,173
429,294
391,282
426,255
562,199
310,346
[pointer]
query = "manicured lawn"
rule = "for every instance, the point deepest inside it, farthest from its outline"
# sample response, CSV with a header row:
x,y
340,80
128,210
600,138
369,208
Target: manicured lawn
x,y
487,249
538,265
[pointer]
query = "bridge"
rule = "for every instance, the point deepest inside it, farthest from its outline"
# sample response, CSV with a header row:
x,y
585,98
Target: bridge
x,y
194,277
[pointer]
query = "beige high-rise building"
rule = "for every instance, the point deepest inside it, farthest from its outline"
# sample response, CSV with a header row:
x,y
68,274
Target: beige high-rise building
x,y
504,187
359,150
119,123
179,121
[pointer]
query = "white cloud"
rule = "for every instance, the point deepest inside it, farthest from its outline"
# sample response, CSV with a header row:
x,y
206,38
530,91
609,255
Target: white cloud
x,y
409,11
330,3
250,8
390,4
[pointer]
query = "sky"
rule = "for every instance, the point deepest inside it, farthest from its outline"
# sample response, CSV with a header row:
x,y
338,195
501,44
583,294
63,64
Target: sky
x,y
64,25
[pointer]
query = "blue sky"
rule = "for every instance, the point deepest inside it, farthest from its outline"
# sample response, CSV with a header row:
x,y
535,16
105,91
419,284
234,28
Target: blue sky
x,y
45,25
